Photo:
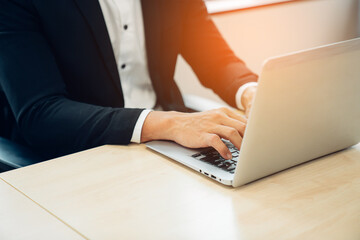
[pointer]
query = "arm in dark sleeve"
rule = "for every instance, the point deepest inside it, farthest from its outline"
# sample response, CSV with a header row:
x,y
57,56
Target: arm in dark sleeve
x,y
208,54
33,85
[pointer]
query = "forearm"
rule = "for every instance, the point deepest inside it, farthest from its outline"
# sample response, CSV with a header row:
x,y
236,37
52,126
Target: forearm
x,y
59,126
207,52
159,125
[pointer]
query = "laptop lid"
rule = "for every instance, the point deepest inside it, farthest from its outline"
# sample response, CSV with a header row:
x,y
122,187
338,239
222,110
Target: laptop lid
x,y
307,105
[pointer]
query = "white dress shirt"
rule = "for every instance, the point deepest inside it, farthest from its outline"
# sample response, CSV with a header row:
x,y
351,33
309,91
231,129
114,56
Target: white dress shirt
x,y
124,22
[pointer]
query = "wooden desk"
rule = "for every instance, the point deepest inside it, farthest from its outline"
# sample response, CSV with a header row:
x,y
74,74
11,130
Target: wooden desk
x,y
117,192
21,218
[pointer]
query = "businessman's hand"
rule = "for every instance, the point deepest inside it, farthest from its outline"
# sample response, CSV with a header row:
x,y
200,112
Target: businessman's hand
x,y
247,99
196,130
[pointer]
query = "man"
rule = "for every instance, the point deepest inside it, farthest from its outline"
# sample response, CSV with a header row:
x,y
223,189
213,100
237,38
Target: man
x,y
80,73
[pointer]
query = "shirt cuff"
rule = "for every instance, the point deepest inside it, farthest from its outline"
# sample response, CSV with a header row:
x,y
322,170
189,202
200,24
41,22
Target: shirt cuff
x,y
136,136
241,91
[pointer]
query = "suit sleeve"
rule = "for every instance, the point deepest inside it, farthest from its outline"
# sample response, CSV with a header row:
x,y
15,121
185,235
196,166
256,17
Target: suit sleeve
x,y
33,85
208,54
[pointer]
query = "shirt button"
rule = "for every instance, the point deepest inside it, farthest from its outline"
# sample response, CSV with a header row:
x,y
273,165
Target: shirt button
x,y
123,66
125,26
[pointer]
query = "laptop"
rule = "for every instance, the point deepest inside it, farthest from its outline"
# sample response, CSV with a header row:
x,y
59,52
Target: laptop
x,y
307,105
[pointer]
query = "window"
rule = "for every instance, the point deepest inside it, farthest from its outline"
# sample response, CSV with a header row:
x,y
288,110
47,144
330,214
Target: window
x,y
216,6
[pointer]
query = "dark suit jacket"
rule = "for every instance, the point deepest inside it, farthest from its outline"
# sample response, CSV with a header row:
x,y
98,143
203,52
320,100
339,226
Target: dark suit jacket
x,y
59,74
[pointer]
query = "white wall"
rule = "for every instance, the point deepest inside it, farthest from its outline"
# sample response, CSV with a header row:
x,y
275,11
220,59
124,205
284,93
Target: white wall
x,y
258,33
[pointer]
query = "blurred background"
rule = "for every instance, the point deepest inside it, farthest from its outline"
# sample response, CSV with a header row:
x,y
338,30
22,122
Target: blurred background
x,y
257,33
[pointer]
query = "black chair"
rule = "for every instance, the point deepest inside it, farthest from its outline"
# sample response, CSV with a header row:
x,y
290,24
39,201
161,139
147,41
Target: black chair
x,y
12,155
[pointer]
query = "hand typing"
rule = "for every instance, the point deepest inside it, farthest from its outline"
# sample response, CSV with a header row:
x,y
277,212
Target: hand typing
x,y
196,130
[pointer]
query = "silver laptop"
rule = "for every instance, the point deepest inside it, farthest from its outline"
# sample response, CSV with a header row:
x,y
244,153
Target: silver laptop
x,y
307,105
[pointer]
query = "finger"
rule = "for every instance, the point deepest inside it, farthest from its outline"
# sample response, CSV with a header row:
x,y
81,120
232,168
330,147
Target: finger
x,y
230,122
230,134
234,115
215,142
247,112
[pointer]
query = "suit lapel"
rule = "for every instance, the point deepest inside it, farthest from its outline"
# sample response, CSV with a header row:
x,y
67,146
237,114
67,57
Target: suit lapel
x,y
92,12
166,90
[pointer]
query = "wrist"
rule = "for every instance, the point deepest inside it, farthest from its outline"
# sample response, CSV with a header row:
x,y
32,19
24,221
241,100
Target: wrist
x,y
248,96
240,92
159,125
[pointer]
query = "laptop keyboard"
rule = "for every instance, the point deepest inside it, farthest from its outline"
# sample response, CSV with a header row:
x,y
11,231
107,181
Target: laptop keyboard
x,y
211,156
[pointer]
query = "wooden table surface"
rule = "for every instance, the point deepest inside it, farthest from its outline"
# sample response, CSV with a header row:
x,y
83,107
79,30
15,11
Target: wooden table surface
x,y
130,192
21,218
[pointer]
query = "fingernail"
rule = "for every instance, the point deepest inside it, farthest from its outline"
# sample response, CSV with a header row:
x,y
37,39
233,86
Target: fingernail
x,y
229,156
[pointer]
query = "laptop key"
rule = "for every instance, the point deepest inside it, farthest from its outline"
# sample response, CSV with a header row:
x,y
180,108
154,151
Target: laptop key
x,y
210,159
196,155
220,164
231,167
203,158
226,165
207,151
